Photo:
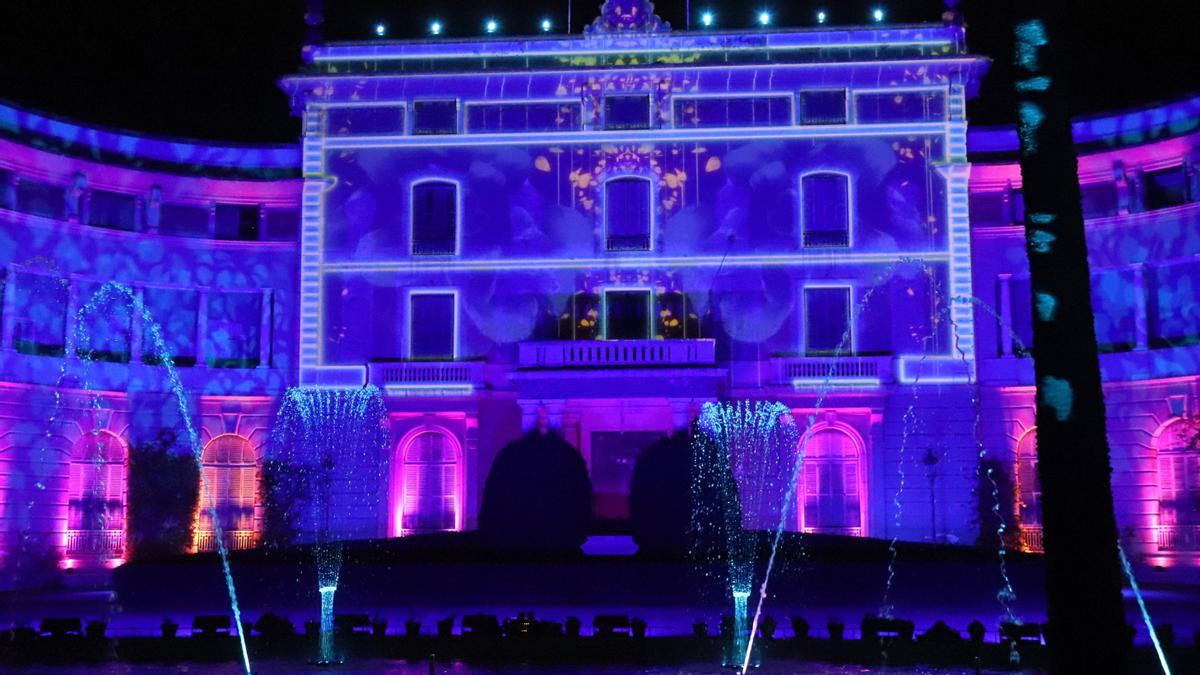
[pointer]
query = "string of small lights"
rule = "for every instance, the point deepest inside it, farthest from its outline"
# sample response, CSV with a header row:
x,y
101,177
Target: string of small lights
x,y
707,19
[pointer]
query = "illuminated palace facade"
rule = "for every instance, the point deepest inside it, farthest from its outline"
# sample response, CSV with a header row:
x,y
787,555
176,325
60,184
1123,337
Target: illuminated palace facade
x,y
592,234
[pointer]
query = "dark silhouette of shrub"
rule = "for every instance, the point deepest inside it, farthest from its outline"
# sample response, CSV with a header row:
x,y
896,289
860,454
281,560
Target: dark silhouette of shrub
x,y
660,497
284,489
986,516
164,490
537,497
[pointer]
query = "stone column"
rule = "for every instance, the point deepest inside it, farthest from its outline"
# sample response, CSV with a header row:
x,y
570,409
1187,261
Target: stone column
x,y
1141,328
71,321
529,415
1122,184
10,308
137,326
202,328
153,210
554,415
264,329
1006,330
212,221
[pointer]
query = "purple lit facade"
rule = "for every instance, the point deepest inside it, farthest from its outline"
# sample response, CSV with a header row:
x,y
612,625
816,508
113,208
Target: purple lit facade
x,y
597,234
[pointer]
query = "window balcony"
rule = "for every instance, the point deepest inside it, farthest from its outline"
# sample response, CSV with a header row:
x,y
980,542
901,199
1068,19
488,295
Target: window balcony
x,y
99,543
1179,538
815,372
426,378
827,239
617,353
636,242
235,540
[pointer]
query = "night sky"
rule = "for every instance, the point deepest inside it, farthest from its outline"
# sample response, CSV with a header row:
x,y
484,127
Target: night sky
x,y
207,69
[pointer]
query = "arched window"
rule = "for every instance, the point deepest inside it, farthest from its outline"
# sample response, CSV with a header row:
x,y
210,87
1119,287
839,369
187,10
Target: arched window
x,y
96,496
1178,487
231,483
435,218
825,211
830,493
1029,492
430,488
627,214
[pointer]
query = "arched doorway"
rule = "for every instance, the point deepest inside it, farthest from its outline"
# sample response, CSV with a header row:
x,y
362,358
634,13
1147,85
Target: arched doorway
x,y
230,465
430,482
831,487
1178,487
96,496
1029,492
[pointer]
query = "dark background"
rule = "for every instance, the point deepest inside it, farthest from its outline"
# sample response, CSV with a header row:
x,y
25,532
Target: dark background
x,y
208,69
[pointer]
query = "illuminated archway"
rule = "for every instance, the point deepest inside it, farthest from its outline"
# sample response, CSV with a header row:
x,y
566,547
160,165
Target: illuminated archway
x,y
230,465
96,496
1178,487
1029,491
831,483
429,496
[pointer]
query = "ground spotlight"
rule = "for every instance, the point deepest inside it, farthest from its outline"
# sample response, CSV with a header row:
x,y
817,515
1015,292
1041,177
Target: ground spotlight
x,y
764,18
435,28
706,19
547,25
491,26
380,29
822,16
877,15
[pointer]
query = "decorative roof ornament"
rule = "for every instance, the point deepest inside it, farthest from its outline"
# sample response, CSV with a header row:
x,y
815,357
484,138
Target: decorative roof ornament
x,y
626,17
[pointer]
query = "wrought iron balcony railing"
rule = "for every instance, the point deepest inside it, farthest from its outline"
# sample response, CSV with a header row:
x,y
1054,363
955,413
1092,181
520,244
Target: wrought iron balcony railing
x,y
106,543
235,540
1179,537
616,353
1031,538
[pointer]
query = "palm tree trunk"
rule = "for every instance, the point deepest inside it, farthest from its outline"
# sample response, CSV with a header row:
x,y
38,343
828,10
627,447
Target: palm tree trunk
x,y
1088,633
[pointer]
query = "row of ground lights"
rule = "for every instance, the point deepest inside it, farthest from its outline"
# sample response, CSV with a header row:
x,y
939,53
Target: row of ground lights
x,y
707,19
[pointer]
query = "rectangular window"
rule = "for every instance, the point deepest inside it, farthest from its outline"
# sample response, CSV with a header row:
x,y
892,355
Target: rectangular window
x,y
1165,188
1114,308
435,117
899,106
431,325
1017,200
627,314
1020,295
365,120
614,455
234,319
434,218
352,305
105,331
987,210
827,321
112,210
187,221
630,111
41,199
826,210
758,111
39,323
1174,314
547,116
1099,200
627,214
175,310
823,107
237,223
6,190
282,224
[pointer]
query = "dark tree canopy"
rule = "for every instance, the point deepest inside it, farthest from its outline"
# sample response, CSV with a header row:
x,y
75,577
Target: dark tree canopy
x,y
164,490
538,497
660,496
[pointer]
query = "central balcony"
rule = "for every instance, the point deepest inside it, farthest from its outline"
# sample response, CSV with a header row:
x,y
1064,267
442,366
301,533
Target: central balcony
x,y
818,372
426,378
100,543
617,353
